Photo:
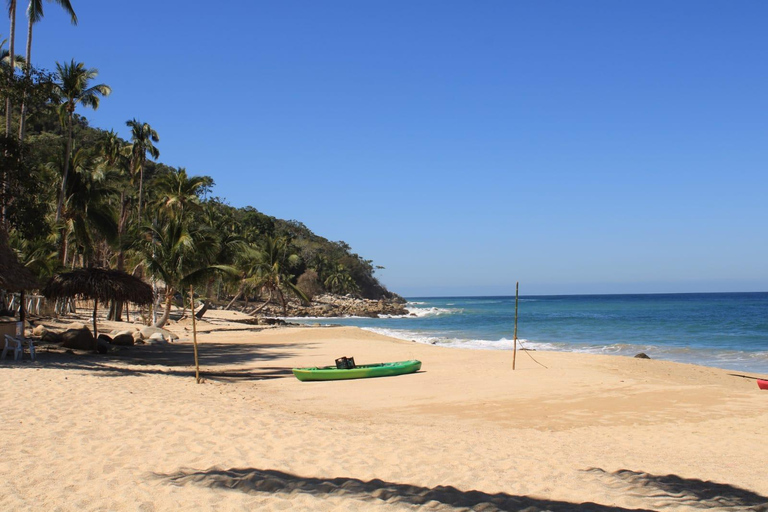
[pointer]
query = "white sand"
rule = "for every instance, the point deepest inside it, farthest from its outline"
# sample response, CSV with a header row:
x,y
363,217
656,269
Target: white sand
x,y
133,431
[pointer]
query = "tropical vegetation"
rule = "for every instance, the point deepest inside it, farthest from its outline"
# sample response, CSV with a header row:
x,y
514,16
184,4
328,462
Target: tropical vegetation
x,y
72,195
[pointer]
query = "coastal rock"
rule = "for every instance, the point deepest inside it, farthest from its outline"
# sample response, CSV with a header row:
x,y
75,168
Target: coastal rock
x,y
148,331
102,346
328,306
157,339
51,337
271,321
642,355
80,339
123,340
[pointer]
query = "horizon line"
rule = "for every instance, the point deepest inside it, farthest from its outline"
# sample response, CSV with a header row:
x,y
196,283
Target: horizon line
x,y
578,294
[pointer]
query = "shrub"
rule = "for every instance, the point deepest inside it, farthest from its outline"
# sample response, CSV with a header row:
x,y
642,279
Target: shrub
x,y
309,283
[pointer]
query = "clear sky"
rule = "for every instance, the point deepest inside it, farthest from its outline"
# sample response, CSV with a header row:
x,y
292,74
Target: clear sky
x,y
574,146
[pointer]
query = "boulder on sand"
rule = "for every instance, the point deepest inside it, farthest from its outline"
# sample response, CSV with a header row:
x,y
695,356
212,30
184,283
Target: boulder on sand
x,y
51,337
123,339
148,331
80,339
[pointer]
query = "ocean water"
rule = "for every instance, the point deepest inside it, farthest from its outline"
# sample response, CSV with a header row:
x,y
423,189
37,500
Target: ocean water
x,y
724,330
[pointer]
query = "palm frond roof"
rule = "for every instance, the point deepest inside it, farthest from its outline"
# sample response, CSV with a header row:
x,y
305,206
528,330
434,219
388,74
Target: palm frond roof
x,y
101,284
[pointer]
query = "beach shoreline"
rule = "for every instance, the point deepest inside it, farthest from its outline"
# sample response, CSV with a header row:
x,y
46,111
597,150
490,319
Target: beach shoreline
x,y
132,430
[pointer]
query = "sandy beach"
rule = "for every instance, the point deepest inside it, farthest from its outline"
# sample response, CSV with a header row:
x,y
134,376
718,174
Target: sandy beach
x,y
133,431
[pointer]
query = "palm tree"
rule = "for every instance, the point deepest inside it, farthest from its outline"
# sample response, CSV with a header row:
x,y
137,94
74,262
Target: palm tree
x,y
114,160
88,215
229,244
177,191
143,137
248,264
5,58
11,51
269,271
5,67
39,254
340,281
35,14
178,253
74,89
112,152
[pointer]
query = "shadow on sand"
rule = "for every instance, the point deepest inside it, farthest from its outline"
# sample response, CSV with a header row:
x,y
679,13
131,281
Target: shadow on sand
x,y
216,360
255,481
674,491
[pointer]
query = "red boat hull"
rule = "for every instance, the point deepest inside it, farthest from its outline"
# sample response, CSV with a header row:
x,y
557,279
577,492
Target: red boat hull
x,y
762,384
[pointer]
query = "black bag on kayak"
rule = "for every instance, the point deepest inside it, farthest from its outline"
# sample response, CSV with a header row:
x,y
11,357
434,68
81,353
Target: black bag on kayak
x,y
345,363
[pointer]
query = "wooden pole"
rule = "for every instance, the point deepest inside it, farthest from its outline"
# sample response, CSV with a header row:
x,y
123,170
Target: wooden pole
x,y
514,349
95,307
194,333
22,312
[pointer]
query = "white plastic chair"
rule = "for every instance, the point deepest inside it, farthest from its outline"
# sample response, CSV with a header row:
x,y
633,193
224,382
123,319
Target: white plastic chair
x,y
17,344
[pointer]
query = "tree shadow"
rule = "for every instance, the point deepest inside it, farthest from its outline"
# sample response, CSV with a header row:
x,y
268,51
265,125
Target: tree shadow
x,y
673,490
255,481
216,360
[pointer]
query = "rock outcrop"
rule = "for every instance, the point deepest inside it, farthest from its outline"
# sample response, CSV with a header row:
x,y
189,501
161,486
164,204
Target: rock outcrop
x,y
329,306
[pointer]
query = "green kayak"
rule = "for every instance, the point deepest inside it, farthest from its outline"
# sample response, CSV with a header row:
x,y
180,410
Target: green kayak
x,y
362,371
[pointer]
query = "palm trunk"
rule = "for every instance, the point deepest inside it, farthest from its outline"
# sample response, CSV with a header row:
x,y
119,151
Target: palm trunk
x,y
121,225
269,299
28,69
203,310
64,248
11,68
63,190
116,308
141,188
209,288
237,296
282,301
167,311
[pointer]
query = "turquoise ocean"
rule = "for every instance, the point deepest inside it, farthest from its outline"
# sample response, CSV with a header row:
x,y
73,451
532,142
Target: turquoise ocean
x,y
724,330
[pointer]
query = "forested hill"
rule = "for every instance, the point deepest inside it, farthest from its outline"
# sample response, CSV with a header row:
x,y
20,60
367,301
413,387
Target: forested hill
x,y
121,208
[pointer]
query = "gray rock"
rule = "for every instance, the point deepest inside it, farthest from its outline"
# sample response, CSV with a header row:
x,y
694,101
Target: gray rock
x,y
51,337
80,339
102,345
642,355
156,339
39,331
124,340
148,331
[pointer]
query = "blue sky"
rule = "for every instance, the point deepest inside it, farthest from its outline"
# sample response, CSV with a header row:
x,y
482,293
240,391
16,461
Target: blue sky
x,y
576,147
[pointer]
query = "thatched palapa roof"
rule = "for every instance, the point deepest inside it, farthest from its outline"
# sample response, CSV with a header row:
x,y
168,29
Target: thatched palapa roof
x,y
14,277
101,284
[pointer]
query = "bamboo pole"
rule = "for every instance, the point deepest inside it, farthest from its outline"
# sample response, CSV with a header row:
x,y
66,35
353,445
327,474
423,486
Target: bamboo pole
x,y
514,349
194,333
